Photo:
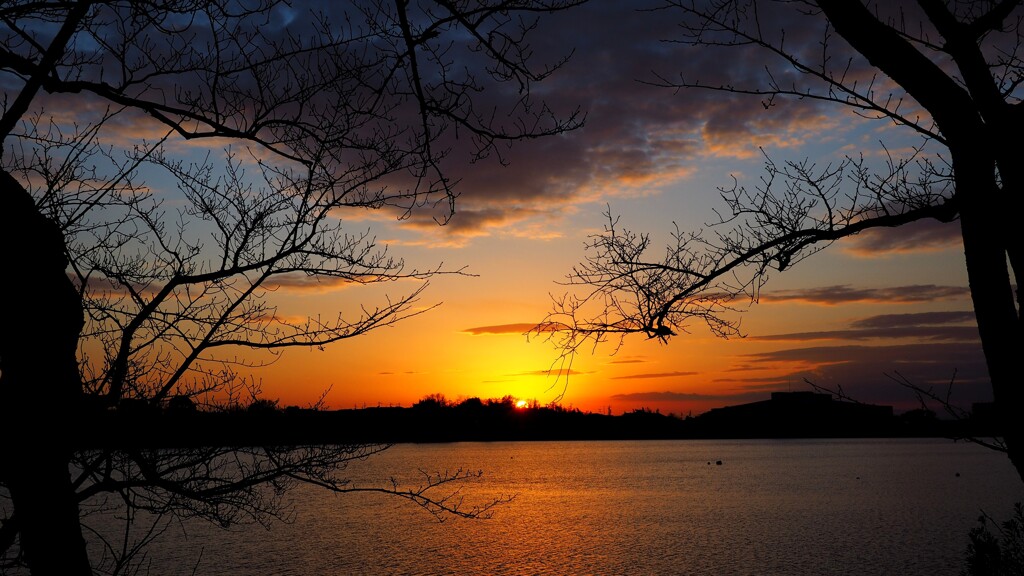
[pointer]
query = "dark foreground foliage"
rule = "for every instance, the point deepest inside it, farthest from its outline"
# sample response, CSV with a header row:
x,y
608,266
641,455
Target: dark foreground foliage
x,y
1000,553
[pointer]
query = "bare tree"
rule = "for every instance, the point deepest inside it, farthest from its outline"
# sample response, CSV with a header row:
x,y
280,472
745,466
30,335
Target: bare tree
x,y
945,72
269,121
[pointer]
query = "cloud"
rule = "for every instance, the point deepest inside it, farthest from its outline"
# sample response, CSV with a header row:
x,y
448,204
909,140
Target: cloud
x,y
521,328
630,361
655,375
638,137
919,236
518,328
300,282
863,372
915,319
102,287
745,367
730,132
761,384
902,354
923,326
472,221
669,396
939,348
844,294
956,333
547,373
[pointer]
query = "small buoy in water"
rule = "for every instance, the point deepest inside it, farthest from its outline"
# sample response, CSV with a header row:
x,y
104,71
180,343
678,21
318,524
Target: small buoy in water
x,y
718,463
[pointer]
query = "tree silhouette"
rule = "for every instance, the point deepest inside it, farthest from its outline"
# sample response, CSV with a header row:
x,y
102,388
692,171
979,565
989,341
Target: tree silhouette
x,y
122,294
946,72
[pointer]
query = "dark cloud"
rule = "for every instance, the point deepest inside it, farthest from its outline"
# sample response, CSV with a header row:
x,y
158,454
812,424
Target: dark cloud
x,y
844,293
655,375
923,326
933,333
903,354
464,221
747,381
295,282
915,319
944,349
919,236
637,135
863,372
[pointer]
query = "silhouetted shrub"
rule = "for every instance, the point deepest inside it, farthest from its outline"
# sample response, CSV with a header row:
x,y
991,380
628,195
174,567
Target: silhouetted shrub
x,y
989,554
262,406
432,402
181,405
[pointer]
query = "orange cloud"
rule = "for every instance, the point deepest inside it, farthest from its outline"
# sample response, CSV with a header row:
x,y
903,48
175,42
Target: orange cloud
x,y
655,375
299,282
630,361
742,131
518,328
560,372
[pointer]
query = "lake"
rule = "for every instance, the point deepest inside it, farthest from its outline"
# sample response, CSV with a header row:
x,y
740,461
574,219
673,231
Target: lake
x,y
778,507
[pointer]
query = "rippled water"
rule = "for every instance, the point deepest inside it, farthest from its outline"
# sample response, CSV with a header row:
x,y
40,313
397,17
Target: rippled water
x,y
793,507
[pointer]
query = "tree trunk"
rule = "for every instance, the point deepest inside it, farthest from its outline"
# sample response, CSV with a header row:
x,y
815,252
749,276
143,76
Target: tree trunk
x,y
984,224
40,385
46,511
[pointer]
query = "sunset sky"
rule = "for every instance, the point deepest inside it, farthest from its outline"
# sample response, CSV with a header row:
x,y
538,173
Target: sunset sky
x,y
875,305
879,304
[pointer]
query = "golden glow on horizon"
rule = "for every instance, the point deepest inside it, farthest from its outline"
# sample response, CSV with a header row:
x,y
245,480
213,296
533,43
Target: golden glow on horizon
x,y
521,404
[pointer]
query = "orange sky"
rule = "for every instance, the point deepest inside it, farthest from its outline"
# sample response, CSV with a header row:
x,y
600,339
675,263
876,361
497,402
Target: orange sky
x,y
886,302
473,343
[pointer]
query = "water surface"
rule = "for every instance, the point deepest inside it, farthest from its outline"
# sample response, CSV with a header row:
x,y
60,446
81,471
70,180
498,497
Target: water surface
x,y
781,507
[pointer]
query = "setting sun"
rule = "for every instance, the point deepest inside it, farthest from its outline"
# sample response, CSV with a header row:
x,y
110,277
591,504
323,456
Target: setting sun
x,y
521,404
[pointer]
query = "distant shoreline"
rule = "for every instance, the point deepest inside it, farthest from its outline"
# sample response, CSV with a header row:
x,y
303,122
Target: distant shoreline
x,y
786,415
